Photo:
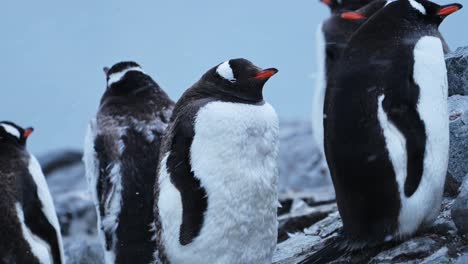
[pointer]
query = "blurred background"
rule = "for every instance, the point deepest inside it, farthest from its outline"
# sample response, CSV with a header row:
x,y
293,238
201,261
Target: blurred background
x,y
53,53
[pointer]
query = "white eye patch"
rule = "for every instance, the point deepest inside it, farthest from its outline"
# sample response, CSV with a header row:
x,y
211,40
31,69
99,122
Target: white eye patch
x,y
117,76
418,6
224,70
11,130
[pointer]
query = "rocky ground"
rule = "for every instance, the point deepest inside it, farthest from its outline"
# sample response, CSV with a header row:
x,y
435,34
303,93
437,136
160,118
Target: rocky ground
x,y
308,216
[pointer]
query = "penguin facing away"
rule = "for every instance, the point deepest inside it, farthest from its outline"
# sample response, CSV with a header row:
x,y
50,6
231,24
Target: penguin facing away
x,y
386,130
217,193
30,227
121,156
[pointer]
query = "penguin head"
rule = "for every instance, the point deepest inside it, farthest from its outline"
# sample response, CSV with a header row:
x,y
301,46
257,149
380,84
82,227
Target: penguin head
x,y
342,5
10,133
123,73
431,11
239,79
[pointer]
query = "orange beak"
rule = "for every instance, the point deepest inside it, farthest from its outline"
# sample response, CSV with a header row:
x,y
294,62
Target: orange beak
x,y
28,131
266,74
449,9
352,16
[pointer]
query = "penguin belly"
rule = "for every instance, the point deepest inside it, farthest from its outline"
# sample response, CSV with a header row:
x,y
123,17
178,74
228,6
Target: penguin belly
x,y
233,154
422,207
430,74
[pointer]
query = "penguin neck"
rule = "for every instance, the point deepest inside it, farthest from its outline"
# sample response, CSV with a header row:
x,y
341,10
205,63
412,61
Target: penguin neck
x,y
14,149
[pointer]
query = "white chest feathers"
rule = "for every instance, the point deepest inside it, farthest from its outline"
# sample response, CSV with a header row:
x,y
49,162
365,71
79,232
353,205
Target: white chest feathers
x,y
430,75
234,155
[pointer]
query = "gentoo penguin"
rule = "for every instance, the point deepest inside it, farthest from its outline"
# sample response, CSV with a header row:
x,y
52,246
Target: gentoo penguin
x,y
29,225
121,156
217,192
332,36
386,131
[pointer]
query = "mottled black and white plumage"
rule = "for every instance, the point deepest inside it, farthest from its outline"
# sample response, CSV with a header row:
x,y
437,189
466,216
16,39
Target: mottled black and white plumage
x,y
217,196
121,156
29,228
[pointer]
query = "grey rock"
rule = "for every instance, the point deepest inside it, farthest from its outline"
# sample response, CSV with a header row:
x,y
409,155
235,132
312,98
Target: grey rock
x,y
318,196
463,259
440,256
75,208
460,209
59,159
83,249
420,247
300,162
301,217
73,203
298,244
452,186
457,71
458,161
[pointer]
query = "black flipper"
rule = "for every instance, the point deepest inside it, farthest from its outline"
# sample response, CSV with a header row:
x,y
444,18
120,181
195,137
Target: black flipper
x,y
36,220
194,200
401,108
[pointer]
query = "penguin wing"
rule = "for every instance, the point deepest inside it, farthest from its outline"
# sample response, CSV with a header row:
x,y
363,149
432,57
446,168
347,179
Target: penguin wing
x,y
193,195
103,177
90,160
39,211
401,108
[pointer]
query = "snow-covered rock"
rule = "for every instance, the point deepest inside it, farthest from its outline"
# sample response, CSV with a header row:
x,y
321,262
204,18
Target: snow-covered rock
x,y
457,68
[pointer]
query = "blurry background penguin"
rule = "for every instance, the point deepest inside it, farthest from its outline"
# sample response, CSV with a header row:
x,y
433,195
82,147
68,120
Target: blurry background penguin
x,y
386,129
331,38
217,191
29,228
121,156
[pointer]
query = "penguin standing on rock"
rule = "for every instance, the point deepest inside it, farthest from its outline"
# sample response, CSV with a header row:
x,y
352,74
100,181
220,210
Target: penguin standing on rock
x,y
121,156
217,193
386,131
29,225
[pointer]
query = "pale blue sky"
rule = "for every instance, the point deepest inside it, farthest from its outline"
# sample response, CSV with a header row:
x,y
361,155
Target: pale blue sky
x,y
53,53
